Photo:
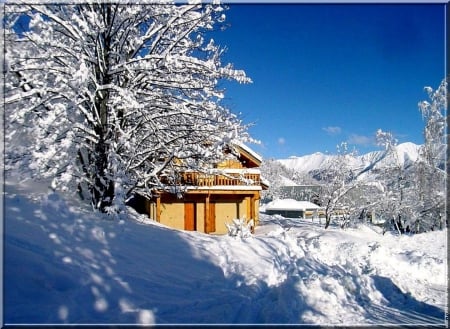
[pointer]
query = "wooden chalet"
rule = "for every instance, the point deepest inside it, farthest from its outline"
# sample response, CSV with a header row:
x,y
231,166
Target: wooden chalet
x,y
212,198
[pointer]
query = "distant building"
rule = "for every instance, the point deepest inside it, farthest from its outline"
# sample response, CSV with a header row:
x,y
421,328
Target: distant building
x,y
291,208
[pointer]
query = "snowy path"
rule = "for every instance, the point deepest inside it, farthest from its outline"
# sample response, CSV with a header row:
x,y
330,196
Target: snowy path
x,y
345,270
64,264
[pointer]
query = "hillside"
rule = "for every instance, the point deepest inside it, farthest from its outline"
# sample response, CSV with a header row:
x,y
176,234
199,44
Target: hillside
x,y
64,264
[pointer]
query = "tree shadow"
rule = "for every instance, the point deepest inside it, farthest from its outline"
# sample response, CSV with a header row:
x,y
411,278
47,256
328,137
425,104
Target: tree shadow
x,y
63,265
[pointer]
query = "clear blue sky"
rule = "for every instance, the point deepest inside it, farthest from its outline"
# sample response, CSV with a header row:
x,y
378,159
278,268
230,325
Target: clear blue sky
x,y
328,73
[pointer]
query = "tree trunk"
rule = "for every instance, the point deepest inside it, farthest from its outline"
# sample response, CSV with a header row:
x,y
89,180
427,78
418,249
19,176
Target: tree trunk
x,y
327,220
103,192
398,225
327,215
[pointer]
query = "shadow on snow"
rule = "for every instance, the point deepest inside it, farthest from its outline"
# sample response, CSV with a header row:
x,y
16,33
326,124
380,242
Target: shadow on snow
x,y
402,307
63,265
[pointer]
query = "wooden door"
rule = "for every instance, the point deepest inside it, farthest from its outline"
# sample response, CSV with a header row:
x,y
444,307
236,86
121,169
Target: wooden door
x,y
210,218
190,219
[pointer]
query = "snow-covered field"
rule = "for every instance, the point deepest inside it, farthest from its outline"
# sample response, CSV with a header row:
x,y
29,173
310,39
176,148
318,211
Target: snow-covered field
x,y
63,264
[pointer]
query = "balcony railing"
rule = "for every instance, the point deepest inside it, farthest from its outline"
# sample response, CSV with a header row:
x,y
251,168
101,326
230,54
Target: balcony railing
x,y
227,179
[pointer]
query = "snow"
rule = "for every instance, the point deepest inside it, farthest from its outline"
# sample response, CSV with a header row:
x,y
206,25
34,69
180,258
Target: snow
x,y
290,204
248,150
155,61
306,163
286,181
64,264
405,152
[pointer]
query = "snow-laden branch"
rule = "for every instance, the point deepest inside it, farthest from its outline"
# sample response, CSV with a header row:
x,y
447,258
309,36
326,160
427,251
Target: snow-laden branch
x,y
72,31
113,94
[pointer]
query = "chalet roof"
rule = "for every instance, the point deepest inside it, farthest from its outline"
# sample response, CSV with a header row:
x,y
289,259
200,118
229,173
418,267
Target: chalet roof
x,y
265,185
252,158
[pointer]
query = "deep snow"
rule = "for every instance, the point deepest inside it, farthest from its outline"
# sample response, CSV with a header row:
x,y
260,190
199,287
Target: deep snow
x,y
64,264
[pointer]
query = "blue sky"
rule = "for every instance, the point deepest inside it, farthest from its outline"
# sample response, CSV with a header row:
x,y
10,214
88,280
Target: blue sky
x,y
330,73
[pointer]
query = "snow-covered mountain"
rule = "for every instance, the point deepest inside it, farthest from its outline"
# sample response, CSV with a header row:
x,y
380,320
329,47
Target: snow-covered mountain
x,y
405,154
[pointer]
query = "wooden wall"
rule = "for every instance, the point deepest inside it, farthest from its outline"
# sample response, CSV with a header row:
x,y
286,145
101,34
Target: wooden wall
x,y
195,212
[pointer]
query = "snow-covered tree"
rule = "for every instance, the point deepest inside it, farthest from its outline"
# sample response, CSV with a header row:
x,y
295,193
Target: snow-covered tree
x,y
413,197
338,180
431,172
107,97
273,171
395,200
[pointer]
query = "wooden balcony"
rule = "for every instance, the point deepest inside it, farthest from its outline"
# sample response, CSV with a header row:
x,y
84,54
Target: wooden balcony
x,y
227,179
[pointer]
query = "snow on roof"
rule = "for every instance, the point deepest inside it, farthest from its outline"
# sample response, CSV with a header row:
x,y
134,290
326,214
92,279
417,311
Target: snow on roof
x,y
291,204
248,150
264,181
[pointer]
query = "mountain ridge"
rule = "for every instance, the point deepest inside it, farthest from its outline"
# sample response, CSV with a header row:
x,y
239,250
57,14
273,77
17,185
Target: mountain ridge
x,y
405,153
